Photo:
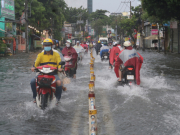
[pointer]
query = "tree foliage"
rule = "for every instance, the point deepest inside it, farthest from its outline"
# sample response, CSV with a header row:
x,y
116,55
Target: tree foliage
x,y
55,14
165,10
37,13
99,14
74,14
98,20
45,14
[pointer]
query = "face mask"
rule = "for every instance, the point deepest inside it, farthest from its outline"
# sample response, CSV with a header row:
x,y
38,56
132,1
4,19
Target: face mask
x,y
68,45
48,48
53,46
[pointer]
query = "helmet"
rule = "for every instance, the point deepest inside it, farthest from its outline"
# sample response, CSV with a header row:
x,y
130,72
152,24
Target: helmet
x,y
68,41
99,41
114,43
127,43
47,41
77,42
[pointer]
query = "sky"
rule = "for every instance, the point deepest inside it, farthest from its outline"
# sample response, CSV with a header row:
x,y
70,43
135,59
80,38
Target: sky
x,y
110,5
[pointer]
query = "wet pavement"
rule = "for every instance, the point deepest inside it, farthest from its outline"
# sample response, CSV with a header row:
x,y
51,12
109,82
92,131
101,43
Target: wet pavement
x,y
153,108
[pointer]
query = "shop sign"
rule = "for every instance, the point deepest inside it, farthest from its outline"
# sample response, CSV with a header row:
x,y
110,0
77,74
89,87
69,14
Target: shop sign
x,y
154,32
7,9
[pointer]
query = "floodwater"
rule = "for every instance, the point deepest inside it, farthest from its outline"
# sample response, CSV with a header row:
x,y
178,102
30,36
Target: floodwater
x,y
153,108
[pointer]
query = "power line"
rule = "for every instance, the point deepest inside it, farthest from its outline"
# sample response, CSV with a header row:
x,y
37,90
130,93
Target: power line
x,y
125,8
123,4
118,7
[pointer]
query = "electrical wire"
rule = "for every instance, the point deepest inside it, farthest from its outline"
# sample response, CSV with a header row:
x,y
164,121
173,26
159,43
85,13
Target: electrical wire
x,y
123,4
118,7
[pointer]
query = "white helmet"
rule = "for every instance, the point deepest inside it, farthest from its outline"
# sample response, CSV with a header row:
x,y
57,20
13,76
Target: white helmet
x,y
127,43
114,43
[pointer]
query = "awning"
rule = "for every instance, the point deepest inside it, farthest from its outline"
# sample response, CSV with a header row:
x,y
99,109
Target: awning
x,y
1,30
152,37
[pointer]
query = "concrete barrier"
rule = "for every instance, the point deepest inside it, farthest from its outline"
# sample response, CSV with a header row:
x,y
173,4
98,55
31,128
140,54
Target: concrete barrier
x,y
92,106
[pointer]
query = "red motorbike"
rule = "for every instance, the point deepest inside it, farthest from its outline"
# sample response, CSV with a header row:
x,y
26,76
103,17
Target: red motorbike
x,y
46,85
69,71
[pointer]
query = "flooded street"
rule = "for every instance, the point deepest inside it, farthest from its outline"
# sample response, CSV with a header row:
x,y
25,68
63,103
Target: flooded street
x,y
153,108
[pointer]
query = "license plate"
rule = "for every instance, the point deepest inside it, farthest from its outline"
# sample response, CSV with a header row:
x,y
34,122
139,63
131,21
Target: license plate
x,y
130,77
105,57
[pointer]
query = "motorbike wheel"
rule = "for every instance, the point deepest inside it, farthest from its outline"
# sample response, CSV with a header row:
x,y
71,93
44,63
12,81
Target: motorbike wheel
x,y
44,101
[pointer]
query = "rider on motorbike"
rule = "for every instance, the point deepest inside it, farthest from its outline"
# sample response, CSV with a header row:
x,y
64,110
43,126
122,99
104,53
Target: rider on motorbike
x,y
85,46
79,49
98,46
57,47
104,49
114,52
110,48
70,51
51,58
128,57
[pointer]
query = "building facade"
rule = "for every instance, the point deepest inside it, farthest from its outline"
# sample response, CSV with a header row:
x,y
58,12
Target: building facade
x,y
90,6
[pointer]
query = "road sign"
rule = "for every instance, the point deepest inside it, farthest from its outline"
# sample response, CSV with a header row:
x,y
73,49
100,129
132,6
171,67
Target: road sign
x,y
92,31
80,21
67,25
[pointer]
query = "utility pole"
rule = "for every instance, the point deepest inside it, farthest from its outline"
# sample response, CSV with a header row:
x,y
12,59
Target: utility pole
x,y
26,26
130,7
116,28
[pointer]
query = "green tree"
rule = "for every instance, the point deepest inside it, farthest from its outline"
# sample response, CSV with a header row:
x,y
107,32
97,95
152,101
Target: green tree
x,y
74,14
55,14
37,13
165,10
98,20
99,14
97,25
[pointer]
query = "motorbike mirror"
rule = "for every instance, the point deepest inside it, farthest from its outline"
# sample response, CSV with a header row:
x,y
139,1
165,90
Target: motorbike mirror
x,y
62,63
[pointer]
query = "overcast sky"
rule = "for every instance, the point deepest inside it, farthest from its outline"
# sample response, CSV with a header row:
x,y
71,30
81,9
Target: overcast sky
x,y
110,5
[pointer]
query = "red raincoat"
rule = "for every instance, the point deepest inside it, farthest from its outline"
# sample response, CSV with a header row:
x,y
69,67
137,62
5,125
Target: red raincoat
x,y
133,59
85,46
114,52
70,51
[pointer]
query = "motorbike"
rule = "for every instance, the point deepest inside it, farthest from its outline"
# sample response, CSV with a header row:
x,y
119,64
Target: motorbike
x,y
46,85
86,50
128,75
69,71
79,56
105,56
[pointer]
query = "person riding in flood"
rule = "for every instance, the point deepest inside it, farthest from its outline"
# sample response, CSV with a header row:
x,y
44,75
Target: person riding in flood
x,y
104,49
79,49
98,47
57,47
70,51
51,58
129,57
85,46
114,52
